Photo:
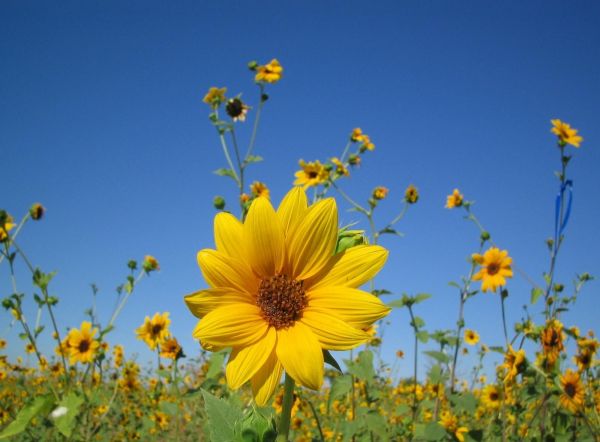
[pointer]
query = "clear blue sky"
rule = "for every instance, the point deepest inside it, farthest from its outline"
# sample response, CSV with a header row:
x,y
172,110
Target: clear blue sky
x,y
101,120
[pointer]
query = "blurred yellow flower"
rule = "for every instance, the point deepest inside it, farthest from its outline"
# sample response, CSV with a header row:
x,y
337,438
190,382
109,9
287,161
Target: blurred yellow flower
x,y
340,168
367,144
36,211
490,397
411,195
471,337
154,331
270,72
260,189
514,363
150,264
311,174
2,344
495,268
215,96
454,200
357,135
279,296
380,193
6,227
82,346
170,349
565,133
552,341
573,393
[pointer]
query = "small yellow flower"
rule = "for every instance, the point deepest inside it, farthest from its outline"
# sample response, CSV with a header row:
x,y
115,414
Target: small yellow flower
x,y
340,168
311,174
552,341
367,144
490,397
215,96
495,268
573,392
170,349
514,363
150,264
380,193
161,420
2,344
400,354
270,72
357,135
236,109
454,200
411,195
6,226
471,337
82,346
565,133
36,211
29,348
154,331
260,189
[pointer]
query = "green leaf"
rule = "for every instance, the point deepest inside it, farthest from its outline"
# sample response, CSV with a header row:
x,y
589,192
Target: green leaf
x,y
226,172
497,349
535,294
390,231
340,387
423,336
438,356
397,303
215,364
169,408
435,374
329,359
41,405
253,159
66,422
419,297
376,424
363,367
222,418
434,431
418,322
465,401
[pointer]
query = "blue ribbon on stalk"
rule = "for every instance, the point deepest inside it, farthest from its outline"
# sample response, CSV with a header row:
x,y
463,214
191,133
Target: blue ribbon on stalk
x,y
558,229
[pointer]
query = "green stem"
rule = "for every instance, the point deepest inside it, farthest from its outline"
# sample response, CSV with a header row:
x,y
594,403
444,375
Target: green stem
x,y
122,304
283,429
316,416
503,317
345,152
256,121
350,200
11,238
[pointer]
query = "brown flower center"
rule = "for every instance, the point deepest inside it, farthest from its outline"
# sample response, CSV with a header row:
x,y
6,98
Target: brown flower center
x,y
494,396
84,345
281,300
312,174
570,390
493,268
156,329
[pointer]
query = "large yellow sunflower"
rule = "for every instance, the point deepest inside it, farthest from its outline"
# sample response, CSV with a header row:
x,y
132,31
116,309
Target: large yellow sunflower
x,y
495,268
279,296
573,394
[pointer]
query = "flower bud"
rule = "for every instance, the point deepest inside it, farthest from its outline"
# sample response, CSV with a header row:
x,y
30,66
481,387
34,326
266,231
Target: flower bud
x,y
485,235
219,202
37,211
150,264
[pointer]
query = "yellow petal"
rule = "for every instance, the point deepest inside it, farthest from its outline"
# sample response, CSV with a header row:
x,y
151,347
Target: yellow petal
x,y
244,362
220,270
332,332
292,210
357,308
231,326
202,302
301,355
264,236
312,243
266,380
351,268
229,232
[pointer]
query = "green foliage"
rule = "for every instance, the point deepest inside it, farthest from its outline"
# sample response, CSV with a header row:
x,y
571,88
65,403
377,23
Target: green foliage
x,y
39,407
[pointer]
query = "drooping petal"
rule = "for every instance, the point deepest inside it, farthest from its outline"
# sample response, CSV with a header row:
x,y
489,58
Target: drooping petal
x,y
351,268
266,380
229,232
312,243
301,355
231,326
264,236
220,270
202,302
332,332
244,362
292,210
356,307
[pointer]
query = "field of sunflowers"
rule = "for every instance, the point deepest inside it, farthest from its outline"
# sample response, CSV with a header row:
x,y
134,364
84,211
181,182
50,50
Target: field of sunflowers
x,y
286,288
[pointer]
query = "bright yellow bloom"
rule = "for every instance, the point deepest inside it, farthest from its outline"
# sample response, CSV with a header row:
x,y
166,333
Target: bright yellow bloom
x,y
82,346
357,135
311,174
6,227
573,391
450,423
340,168
495,268
552,341
278,295
170,349
215,96
29,348
367,144
471,337
565,133
380,192
454,200
411,195
490,397
269,73
154,331
514,363
150,264
260,189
